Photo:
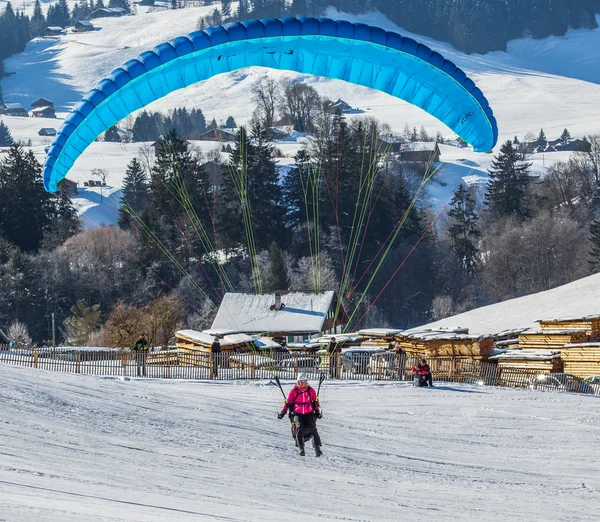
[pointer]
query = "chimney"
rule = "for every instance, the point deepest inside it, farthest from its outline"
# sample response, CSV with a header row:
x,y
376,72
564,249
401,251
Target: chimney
x,y
277,301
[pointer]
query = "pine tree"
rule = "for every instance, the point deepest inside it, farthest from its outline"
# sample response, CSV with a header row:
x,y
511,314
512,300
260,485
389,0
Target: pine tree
x,y
213,124
463,229
38,22
594,260
83,322
135,193
508,191
112,135
230,123
27,211
277,280
6,139
226,8
565,137
542,141
242,13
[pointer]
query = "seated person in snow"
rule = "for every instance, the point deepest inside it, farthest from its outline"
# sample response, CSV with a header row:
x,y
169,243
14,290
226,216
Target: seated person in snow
x,y
424,372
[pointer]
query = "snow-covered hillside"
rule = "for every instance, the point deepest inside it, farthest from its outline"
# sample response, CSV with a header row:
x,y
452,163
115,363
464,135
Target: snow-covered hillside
x,y
577,299
86,448
552,83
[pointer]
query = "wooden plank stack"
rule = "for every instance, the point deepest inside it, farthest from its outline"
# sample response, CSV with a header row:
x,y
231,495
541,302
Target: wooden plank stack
x,y
191,342
536,360
445,343
582,359
591,325
552,339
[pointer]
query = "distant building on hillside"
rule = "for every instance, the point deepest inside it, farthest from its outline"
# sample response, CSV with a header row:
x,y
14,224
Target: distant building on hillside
x,y
339,105
14,109
105,12
47,131
83,26
70,185
54,30
42,102
43,112
421,151
217,135
576,146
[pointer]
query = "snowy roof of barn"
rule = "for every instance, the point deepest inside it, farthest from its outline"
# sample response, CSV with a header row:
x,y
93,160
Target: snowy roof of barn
x,y
250,313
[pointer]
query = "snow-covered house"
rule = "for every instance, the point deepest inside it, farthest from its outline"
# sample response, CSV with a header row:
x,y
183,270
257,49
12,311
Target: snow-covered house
x,y
14,109
104,12
54,30
295,315
43,112
42,102
423,151
47,131
217,135
83,26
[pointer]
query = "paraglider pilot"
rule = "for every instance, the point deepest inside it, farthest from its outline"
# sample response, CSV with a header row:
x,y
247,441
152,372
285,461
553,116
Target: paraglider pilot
x,y
304,404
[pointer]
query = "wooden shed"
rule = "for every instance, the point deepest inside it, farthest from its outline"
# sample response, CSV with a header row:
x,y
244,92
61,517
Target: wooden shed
x,y
581,359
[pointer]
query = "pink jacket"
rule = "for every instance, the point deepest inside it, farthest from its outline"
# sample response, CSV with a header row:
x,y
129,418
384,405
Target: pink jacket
x,y
302,400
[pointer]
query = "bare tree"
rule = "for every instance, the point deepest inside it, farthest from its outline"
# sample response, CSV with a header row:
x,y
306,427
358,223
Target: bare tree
x,y
161,319
442,307
123,326
313,275
300,104
562,182
588,164
264,95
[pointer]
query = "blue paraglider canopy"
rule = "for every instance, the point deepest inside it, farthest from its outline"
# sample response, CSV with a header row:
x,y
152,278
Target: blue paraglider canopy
x,y
356,53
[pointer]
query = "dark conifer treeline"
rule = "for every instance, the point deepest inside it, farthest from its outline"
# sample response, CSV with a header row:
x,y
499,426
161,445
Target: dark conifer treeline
x,y
472,26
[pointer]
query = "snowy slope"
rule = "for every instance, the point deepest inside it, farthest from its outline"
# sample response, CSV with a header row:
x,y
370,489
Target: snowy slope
x,y
577,299
86,448
551,83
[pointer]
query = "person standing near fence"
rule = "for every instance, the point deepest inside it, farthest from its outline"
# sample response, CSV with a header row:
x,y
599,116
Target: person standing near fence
x,y
215,350
332,351
141,354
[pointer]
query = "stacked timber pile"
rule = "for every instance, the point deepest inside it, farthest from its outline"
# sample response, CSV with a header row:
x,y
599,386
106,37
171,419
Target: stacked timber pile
x,y
550,339
455,343
163,358
590,324
191,341
540,361
378,338
582,359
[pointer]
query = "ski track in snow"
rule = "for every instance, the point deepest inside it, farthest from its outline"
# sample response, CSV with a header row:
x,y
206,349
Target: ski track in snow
x,y
89,448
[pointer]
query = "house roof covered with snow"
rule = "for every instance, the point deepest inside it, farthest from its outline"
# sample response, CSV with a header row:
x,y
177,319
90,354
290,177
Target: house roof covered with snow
x,y
419,146
300,313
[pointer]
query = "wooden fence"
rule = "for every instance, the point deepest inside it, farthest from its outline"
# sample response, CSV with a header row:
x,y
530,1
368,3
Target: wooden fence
x,y
177,364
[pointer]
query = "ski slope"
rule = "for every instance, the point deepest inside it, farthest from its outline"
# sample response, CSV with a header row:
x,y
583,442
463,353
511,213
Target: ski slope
x,y
89,448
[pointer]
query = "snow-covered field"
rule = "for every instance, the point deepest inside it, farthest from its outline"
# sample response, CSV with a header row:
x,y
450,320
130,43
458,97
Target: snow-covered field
x,y
87,448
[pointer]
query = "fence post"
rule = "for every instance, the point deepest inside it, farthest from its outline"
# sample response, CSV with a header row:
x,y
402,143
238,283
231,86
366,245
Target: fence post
x,y
78,363
253,371
458,368
498,375
35,358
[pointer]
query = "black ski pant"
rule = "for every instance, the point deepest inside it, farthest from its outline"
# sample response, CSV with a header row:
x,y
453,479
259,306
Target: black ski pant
x,y
306,424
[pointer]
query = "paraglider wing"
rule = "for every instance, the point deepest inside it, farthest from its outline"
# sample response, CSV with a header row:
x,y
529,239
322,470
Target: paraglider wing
x,y
355,53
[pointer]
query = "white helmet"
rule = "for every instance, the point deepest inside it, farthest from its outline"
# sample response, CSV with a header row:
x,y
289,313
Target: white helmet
x,y
302,377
